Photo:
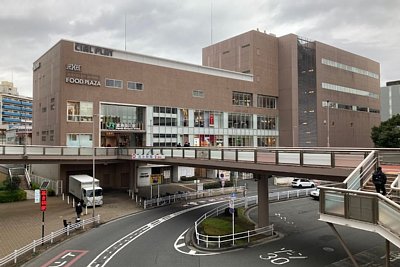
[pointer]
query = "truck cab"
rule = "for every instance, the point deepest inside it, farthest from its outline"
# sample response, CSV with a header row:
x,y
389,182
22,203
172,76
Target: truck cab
x,y
87,195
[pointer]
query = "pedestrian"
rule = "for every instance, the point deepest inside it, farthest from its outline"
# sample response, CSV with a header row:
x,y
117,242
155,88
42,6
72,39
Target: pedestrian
x,y
379,180
78,209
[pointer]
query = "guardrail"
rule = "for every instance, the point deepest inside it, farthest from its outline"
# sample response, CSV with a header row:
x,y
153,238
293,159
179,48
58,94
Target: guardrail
x,y
323,157
47,239
230,239
360,206
161,201
247,236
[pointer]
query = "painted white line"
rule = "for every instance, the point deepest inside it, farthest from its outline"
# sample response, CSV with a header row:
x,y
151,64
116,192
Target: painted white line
x,y
180,245
138,233
191,252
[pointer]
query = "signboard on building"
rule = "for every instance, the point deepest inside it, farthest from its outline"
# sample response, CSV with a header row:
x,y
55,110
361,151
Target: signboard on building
x,y
147,156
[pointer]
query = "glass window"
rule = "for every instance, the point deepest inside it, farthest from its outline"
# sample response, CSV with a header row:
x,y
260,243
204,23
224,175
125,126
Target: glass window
x,y
266,123
198,93
264,101
135,86
113,83
240,121
79,111
242,99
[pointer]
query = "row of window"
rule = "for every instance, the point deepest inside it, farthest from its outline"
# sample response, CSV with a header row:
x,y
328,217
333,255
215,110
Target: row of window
x,y
246,99
349,107
349,68
113,83
349,90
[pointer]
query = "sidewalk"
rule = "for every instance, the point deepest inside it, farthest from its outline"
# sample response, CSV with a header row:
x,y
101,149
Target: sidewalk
x,y
21,222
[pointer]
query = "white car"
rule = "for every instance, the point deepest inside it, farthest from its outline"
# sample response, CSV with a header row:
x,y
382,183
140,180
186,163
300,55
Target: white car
x,y
302,182
315,194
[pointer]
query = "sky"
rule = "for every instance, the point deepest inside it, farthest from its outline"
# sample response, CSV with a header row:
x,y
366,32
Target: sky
x,y
179,29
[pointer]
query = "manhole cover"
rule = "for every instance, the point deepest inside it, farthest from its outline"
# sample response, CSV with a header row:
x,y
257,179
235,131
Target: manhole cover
x,y
327,249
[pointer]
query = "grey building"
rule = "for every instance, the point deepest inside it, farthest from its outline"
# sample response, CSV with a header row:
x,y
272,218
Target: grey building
x,y
390,100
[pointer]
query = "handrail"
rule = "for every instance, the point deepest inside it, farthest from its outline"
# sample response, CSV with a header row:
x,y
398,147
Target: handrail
x,y
355,179
277,196
48,238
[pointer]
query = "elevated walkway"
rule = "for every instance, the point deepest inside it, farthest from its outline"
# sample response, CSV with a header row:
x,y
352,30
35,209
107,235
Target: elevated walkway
x,y
354,203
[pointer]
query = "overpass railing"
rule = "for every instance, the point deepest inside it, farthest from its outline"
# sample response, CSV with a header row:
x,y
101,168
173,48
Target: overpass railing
x,y
345,203
51,238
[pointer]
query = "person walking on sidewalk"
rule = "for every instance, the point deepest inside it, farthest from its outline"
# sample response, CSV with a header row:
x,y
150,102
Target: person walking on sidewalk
x,y
379,180
78,210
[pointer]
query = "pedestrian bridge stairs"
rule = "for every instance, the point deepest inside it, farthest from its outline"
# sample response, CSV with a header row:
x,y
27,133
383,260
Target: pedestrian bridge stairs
x,y
391,176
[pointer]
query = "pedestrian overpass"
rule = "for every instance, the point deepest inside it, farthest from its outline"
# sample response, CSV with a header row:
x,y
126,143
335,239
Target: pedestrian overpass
x,y
343,203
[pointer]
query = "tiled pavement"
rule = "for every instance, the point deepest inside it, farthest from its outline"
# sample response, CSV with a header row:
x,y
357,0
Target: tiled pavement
x,y
21,222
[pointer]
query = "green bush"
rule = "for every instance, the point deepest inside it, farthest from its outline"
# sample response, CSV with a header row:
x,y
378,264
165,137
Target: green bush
x,y
217,185
35,186
187,179
12,184
51,192
12,196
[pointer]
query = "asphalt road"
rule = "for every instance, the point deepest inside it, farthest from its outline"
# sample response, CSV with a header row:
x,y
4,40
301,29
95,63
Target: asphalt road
x,y
148,238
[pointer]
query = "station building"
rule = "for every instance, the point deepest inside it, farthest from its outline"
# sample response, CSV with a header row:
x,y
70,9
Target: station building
x,y
254,89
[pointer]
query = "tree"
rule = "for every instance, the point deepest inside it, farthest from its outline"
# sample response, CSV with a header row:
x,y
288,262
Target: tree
x,y
388,133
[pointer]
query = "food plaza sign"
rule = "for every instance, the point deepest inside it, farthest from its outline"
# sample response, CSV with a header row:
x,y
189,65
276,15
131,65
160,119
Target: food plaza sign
x,y
75,76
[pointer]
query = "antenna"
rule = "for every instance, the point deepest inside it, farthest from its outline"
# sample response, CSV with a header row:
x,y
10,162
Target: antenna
x,y
211,18
125,31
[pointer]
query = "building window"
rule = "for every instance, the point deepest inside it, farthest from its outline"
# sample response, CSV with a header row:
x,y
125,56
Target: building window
x,y
198,93
349,68
44,109
264,101
349,90
43,138
79,111
240,121
113,83
135,86
79,140
165,116
266,123
242,99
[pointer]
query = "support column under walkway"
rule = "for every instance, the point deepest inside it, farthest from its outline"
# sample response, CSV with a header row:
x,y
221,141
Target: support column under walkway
x,y
263,200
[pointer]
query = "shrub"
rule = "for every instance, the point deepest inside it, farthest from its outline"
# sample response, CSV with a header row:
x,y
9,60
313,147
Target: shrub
x,y
217,185
51,192
12,184
186,179
12,196
35,186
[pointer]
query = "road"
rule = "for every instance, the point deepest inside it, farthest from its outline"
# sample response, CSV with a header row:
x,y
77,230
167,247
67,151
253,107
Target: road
x,y
152,238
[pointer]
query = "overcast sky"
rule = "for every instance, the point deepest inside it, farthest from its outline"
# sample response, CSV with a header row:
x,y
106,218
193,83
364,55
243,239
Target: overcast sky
x,y
179,29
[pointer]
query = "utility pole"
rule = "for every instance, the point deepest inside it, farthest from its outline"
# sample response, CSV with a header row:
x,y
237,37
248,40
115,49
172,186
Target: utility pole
x,y
328,124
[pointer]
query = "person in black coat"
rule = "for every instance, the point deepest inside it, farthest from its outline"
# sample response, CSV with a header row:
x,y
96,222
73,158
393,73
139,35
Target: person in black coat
x,y
78,208
379,180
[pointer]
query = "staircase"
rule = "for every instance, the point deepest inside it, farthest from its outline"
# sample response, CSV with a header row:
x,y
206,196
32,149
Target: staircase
x,y
23,175
391,176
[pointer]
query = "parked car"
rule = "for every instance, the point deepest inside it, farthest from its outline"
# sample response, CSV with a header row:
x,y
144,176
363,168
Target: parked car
x,y
315,194
302,182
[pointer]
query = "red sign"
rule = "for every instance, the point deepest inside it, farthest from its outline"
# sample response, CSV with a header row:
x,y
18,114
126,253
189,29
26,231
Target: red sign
x,y
43,199
211,119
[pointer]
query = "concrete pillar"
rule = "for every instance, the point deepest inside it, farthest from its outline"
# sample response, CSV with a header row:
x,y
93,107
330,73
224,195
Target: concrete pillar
x,y
263,201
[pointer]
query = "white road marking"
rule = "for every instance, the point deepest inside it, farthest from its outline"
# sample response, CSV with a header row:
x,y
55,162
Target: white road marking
x,y
190,251
137,233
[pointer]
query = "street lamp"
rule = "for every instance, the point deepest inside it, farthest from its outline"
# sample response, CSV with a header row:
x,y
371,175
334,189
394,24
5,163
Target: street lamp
x,y
94,168
327,123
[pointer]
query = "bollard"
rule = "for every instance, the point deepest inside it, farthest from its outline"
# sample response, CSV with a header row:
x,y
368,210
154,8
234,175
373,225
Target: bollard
x,y
68,200
63,196
86,210
73,202
15,256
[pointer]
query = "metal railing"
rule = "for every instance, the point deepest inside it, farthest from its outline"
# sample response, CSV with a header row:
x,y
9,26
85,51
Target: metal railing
x,y
395,189
229,239
47,239
247,236
161,201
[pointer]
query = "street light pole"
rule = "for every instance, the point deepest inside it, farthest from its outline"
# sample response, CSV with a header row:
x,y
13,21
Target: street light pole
x,y
94,169
327,123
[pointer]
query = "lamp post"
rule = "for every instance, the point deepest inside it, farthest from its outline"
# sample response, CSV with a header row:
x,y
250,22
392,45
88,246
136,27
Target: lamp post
x,y
94,169
327,123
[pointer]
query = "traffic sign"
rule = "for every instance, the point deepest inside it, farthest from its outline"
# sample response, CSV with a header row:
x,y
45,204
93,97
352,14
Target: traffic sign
x,y
43,199
37,196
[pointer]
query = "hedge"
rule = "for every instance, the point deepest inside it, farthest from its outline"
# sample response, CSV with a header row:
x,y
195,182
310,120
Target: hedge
x,y
12,196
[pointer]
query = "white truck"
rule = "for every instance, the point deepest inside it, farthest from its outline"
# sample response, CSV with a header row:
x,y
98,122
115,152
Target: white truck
x,y
81,187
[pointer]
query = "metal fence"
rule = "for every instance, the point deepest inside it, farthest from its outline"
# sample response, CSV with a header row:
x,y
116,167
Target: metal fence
x,y
161,201
247,236
54,236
